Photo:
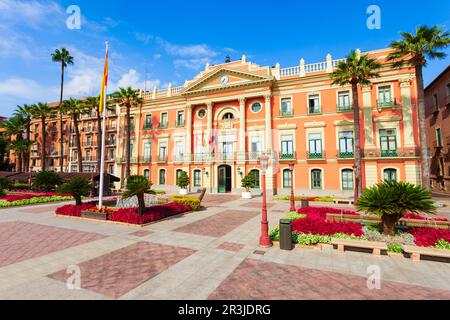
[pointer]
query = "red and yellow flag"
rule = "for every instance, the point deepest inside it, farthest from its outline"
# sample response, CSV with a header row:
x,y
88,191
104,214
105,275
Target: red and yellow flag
x,y
104,84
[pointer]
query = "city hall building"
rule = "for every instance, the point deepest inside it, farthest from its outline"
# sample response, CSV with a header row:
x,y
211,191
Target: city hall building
x,y
217,125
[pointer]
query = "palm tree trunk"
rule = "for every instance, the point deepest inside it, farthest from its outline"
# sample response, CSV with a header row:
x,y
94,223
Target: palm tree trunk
x,y
43,145
141,203
422,126
61,133
99,139
358,161
27,153
78,142
128,142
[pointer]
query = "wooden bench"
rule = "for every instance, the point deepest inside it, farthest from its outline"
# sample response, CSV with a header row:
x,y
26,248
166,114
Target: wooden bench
x,y
416,252
375,246
344,201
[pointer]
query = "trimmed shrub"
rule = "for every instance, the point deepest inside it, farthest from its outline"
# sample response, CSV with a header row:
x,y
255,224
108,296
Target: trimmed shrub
x,y
183,180
248,182
47,181
193,202
5,185
77,187
21,186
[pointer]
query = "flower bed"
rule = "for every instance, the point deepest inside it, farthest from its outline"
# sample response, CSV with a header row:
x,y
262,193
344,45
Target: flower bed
x,y
429,237
128,215
310,199
16,201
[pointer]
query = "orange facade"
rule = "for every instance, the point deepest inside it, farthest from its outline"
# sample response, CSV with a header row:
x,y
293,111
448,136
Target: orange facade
x,y
216,126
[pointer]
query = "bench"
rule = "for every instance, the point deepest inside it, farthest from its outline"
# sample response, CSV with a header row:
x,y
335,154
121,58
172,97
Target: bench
x,y
347,217
416,252
375,246
344,201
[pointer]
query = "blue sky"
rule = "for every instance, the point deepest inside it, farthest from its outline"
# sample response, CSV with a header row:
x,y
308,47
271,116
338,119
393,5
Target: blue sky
x,y
173,40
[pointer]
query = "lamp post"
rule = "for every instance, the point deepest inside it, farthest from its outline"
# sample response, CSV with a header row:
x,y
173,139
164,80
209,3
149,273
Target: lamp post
x,y
291,168
264,240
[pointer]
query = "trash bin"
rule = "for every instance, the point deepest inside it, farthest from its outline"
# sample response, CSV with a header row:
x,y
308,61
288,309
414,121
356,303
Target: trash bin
x,y
285,235
305,203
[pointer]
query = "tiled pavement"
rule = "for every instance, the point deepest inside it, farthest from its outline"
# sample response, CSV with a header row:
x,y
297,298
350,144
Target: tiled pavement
x,y
207,254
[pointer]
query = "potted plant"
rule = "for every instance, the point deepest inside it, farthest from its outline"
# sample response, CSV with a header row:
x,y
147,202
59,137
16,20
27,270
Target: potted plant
x,y
247,183
391,200
183,182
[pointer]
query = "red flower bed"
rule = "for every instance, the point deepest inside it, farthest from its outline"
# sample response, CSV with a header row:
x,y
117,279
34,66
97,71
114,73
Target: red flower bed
x,y
73,210
417,217
321,212
152,214
28,195
428,237
315,222
13,198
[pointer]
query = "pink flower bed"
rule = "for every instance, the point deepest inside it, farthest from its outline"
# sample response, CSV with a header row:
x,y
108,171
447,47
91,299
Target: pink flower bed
x,y
152,214
428,237
315,222
129,215
73,210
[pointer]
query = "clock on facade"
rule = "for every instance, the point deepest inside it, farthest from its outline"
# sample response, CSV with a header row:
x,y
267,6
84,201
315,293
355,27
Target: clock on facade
x,y
224,80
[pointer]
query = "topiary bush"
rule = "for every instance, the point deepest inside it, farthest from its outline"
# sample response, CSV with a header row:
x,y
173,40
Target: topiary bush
x,y
47,181
183,180
248,182
21,186
77,187
5,185
391,200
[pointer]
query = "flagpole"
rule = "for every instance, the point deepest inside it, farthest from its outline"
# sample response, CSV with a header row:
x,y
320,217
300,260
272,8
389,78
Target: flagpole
x,y
102,160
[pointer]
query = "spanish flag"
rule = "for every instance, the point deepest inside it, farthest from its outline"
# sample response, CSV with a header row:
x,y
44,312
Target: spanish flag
x,y
104,83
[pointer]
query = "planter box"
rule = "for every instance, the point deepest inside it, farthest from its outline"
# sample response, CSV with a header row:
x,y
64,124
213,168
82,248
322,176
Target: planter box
x,y
246,195
95,216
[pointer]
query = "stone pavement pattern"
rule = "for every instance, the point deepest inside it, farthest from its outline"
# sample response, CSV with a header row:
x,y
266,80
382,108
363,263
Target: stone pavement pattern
x,y
211,254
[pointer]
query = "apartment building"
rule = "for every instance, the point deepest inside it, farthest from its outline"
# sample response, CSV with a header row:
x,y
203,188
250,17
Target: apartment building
x,y
437,101
217,125
88,129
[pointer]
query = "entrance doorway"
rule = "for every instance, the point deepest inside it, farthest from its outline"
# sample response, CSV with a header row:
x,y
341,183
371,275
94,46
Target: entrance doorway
x,y
224,179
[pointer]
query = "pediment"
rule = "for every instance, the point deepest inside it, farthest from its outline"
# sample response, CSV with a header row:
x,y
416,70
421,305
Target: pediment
x,y
226,78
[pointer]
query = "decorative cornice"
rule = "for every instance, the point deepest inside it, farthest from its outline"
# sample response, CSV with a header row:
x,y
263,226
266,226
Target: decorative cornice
x,y
291,126
394,118
345,122
315,124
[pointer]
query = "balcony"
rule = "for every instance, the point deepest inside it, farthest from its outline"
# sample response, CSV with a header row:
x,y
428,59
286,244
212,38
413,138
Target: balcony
x,y
178,158
315,155
180,124
344,108
392,102
162,159
346,155
90,159
110,143
226,156
146,160
200,157
287,156
314,110
254,155
163,125
111,128
287,113
148,126
389,153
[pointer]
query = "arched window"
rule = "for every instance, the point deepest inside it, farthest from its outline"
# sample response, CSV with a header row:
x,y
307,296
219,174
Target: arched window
x,y
255,173
287,178
228,116
197,178
162,176
347,179
390,174
147,174
316,179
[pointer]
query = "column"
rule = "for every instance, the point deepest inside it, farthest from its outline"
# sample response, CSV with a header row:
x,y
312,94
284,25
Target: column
x,y
209,125
242,127
268,110
188,151
408,130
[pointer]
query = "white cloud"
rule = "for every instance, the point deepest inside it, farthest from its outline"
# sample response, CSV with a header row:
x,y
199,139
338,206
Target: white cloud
x,y
142,37
193,64
196,50
26,89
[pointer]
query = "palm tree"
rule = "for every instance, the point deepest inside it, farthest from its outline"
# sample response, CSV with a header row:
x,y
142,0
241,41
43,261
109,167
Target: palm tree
x,y
128,97
74,108
42,111
138,186
15,127
356,70
25,112
62,56
414,50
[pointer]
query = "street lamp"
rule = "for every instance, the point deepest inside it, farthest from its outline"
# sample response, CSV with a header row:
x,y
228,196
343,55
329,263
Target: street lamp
x,y
291,168
264,240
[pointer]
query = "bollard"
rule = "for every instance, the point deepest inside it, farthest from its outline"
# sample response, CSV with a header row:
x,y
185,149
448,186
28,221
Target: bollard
x,y
285,235
305,203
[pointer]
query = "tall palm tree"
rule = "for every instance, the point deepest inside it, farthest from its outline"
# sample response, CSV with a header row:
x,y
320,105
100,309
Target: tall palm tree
x,y
414,50
42,111
356,70
128,97
62,56
15,127
74,108
25,112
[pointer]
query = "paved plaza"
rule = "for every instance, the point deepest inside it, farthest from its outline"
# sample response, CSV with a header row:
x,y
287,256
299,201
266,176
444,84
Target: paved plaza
x,y
210,254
